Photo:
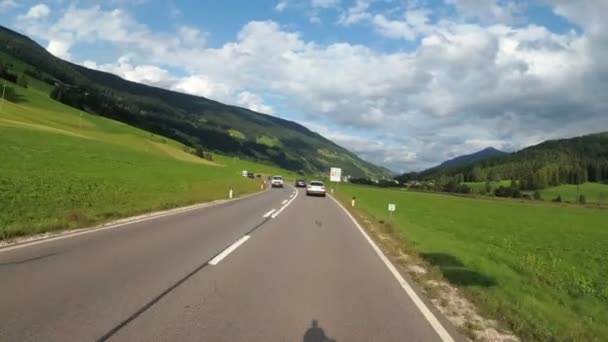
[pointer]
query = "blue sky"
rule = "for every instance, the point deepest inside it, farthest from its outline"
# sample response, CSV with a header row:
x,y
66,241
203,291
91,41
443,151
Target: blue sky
x,y
403,83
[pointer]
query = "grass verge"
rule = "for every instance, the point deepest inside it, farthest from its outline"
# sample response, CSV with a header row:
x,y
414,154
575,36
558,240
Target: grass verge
x,y
539,269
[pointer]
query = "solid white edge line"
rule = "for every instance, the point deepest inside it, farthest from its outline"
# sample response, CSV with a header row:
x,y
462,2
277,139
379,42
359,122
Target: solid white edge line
x,y
228,250
430,317
269,213
285,201
120,223
285,206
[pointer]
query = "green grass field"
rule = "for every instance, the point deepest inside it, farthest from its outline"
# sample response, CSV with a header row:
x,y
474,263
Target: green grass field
x,y
62,168
539,268
594,192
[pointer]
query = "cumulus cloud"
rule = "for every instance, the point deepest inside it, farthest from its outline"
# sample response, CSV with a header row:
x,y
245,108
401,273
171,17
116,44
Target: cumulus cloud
x,y
253,102
465,84
281,5
7,5
324,3
488,10
36,12
356,13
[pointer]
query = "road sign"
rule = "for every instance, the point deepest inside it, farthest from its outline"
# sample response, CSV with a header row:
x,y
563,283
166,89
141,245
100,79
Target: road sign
x,y
335,174
391,207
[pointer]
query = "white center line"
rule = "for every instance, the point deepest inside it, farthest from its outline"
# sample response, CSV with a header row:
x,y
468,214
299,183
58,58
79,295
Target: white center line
x,y
228,250
269,213
285,206
285,201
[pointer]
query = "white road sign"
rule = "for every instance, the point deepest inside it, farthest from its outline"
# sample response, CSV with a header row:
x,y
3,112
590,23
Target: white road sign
x,y
335,174
391,207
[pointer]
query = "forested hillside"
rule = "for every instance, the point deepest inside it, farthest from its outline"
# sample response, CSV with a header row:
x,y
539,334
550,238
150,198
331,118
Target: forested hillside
x,y
195,121
567,161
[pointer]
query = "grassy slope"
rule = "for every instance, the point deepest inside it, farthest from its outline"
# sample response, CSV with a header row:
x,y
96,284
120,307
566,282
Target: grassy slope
x,y
65,168
213,125
538,267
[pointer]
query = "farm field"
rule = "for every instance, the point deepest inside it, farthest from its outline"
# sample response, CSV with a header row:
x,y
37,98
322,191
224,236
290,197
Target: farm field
x,y
594,192
63,168
537,267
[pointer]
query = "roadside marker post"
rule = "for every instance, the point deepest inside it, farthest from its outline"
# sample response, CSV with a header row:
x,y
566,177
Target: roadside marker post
x,y
2,101
230,193
352,202
391,208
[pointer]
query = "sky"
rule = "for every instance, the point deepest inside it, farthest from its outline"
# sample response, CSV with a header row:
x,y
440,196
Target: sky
x,y
405,84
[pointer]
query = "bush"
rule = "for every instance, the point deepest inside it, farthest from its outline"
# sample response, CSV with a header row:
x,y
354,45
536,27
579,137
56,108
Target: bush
x,y
503,191
537,196
199,152
558,199
582,199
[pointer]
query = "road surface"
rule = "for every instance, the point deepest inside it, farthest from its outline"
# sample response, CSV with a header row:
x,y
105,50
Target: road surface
x,y
277,266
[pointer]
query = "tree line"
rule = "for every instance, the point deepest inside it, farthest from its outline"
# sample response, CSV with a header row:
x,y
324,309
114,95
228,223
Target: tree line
x,y
552,163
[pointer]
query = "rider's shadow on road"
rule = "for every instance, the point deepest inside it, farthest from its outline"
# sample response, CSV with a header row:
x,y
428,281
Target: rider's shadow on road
x,y
316,334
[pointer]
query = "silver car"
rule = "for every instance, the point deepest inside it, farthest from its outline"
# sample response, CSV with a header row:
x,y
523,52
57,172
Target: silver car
x,y
315,188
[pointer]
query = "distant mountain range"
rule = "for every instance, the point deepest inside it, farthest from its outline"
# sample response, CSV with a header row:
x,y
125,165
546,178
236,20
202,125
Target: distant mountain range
x,y
553,162
192,120
466,159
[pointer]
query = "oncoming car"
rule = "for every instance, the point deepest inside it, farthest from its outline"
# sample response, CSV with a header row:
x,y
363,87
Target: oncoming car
x,y
276,182
300,183
315,188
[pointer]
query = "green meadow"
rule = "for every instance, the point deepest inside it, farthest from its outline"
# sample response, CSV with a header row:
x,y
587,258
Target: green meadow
x,y
63,168
539,268
593,192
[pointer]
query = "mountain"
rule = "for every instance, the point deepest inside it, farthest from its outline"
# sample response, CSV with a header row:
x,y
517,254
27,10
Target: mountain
x,y
553,162
193,120
486,153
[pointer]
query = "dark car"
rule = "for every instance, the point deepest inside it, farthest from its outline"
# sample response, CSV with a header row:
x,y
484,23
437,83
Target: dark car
x,y
250,175
300,183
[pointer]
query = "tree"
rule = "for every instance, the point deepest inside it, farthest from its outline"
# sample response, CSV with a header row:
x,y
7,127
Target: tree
x,y
10,94
479,175
23,81
488,187
199,152
541,179
514,184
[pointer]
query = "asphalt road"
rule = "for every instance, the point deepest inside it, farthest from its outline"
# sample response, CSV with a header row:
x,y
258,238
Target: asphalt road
x,y
304,272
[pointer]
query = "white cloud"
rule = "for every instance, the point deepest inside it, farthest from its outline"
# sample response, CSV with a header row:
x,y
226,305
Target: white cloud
x,y
356,13
488,10
253,102
465,85
37,12
281,5
60,48
200,85
393,28
7,5
324,3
